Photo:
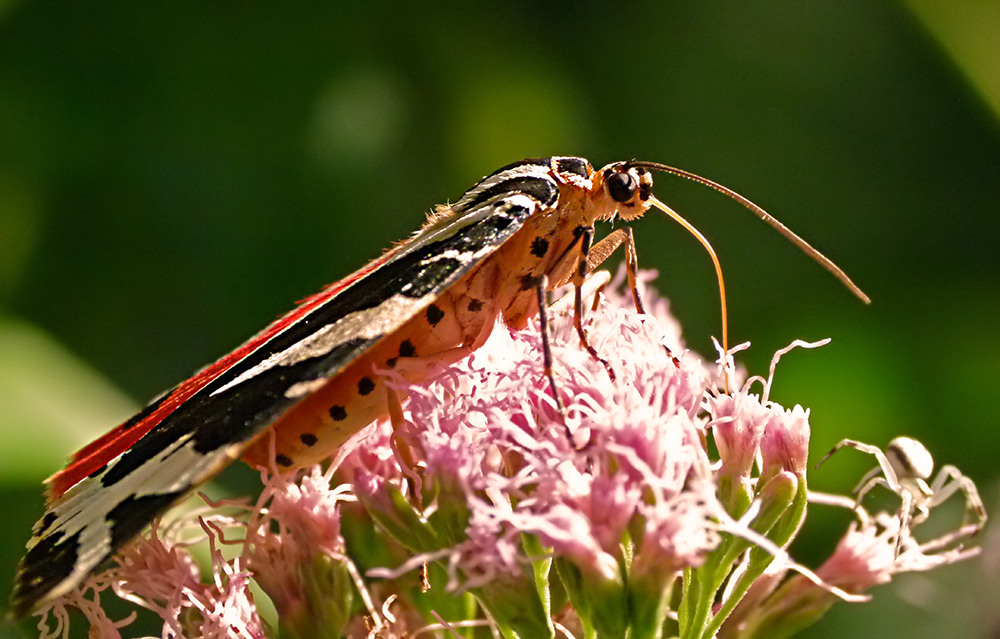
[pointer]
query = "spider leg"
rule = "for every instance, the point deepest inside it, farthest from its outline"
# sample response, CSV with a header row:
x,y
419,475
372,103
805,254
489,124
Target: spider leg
x,y
950,480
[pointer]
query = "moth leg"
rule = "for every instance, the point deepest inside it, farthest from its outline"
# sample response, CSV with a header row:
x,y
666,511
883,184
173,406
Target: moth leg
x,y
571,268
399,443
593,288
541,286
579,278
591,256
395,405
603,278
603,250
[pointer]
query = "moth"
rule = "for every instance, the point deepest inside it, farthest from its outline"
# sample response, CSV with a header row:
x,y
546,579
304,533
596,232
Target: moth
x,y
293,393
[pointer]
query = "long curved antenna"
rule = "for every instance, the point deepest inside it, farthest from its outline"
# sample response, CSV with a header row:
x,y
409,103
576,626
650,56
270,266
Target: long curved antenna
x,y
804,246
715,260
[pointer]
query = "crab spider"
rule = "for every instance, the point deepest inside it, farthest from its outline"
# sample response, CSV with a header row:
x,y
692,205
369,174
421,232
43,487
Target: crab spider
x,y
905,469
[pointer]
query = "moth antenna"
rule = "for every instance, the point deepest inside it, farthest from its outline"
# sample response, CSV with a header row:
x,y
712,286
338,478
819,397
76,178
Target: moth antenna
x,y
804,246
715,261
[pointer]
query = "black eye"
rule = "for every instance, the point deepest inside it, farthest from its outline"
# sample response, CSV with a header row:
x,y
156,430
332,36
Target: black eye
x,y
621,187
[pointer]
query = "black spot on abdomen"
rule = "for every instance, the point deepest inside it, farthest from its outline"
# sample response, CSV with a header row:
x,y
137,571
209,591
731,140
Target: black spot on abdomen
x,y
308,439
434,314
539,247
365,385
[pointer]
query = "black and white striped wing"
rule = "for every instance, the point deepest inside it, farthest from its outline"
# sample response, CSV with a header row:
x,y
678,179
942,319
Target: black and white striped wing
x,y
214,421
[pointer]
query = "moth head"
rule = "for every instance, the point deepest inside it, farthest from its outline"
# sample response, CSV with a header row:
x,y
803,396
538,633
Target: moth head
x,y
627,187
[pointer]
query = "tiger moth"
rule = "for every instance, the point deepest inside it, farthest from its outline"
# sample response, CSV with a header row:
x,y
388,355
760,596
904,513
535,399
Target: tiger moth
x,y
298,389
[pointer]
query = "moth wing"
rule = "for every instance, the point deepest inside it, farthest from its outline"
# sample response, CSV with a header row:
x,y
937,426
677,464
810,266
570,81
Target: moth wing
x,y
195,430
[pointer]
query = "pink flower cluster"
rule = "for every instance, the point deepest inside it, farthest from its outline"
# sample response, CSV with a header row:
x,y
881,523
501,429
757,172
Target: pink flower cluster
x,y
652,503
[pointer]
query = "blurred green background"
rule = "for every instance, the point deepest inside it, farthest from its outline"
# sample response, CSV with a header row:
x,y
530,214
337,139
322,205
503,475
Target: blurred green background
x,y
174,175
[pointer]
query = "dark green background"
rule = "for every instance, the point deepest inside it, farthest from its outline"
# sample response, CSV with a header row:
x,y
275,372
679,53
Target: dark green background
x,y
174,175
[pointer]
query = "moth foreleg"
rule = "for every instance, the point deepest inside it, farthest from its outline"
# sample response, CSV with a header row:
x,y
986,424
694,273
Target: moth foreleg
x,y
593,288
603,250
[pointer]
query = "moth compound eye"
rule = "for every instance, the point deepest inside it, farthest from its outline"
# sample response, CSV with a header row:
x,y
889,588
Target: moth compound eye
x,y
622,186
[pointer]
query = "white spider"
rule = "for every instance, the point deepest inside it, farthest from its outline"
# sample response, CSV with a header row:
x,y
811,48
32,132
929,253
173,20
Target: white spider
x,y
905,468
